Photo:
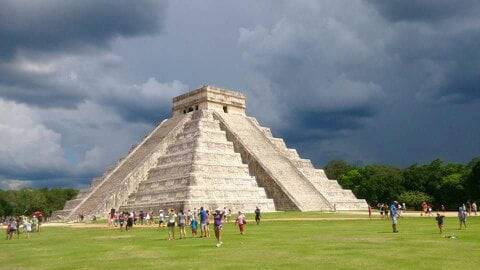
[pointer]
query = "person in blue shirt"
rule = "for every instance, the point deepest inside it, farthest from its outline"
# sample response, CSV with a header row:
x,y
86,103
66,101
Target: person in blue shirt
x,y
203,222
394,216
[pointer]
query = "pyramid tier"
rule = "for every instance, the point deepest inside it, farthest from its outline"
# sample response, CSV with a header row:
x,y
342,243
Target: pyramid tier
x,y
196,179
188,144
202,155
184,168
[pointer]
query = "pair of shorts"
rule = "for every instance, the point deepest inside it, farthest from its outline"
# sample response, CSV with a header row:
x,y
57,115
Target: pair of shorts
x,y
181,225
203,225
171,224
218,227
394,220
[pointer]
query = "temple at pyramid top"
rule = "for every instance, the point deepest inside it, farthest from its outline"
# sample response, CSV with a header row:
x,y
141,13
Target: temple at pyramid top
x,y
211,154
209,97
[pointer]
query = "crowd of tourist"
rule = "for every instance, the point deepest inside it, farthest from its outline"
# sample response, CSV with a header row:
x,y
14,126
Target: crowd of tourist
x,y
178,221
22,225
395,210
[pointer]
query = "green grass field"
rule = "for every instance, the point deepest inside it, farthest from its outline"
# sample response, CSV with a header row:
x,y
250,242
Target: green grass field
x,y
288,244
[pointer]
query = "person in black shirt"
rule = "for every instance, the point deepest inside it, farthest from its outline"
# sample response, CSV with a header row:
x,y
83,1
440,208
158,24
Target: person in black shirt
x,y
439,219
257,215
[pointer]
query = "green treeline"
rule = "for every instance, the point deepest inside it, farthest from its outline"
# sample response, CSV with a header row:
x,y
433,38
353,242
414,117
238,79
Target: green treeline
x,y
28,200
439,183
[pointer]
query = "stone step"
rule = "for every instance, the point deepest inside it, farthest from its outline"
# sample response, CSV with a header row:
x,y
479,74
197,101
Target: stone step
x,y
209,135
183,145
72,203
201,155
185,168
201,125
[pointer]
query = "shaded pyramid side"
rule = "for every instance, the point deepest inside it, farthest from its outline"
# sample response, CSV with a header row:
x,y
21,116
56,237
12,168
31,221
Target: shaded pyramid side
x,y
289,188
200,168
112,189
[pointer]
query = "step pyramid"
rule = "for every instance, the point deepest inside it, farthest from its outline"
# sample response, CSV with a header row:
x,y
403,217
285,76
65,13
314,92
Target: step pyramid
x,y
211,154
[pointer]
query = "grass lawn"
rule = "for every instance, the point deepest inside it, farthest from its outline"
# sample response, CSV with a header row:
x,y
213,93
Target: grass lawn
x,y
286,244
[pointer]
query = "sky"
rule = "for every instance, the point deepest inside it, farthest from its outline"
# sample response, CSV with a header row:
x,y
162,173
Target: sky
x,y
391,82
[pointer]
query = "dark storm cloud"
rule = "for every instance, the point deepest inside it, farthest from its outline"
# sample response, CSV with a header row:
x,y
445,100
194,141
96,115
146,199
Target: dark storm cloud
x,y
57,25
425,10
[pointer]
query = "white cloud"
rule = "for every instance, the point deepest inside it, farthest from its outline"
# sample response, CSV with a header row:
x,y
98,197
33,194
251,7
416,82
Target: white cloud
x,y
27,144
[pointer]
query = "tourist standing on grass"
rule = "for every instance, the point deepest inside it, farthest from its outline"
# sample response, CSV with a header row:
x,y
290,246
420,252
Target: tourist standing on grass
x,y
207,228
257,215
225,214
130,221
203,222
11,228
474,208
27,227
440,219
121,220
194,226
181,223
35,223
394,216
217,226
241,221
161,219
462,217
171,224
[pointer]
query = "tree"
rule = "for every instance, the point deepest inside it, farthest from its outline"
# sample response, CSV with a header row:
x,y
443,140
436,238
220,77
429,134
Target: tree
x,y
472,179
414,198
336,168
379,184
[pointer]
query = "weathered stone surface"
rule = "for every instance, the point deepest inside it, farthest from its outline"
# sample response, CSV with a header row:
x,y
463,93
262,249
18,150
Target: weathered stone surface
x,y
211,154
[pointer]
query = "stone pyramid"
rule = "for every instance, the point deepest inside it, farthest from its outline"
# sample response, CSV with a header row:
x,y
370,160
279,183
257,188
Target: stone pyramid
x,y
211,154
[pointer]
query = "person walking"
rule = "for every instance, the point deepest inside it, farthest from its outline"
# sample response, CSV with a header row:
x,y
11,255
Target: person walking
x,y
462,217
439,220
394,216
217,225
257,215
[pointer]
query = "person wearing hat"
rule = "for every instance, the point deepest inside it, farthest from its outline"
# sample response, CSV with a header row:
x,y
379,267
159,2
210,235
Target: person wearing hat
x,y
394,216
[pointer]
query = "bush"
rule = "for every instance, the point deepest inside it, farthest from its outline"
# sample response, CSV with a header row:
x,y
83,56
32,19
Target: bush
x,y
414,199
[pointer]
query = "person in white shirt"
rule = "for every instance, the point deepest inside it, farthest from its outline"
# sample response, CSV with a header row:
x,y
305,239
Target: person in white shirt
x,y
171,224
161,219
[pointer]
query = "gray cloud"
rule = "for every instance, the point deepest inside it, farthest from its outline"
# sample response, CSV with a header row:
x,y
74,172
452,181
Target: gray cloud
x,y
425,10
55,25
